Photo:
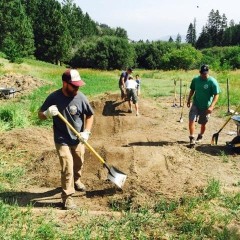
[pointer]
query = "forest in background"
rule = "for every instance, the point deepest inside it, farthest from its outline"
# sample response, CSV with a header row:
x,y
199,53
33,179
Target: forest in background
x,y
60,33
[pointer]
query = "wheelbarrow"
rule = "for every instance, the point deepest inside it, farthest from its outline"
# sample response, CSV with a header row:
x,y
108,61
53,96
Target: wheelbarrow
x,y
7,92
114,175
235,143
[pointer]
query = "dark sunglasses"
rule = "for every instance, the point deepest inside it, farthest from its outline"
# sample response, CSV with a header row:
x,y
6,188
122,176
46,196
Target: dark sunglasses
x,y
73,86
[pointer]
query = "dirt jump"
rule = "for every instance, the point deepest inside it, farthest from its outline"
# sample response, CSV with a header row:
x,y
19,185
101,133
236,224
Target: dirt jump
x,y
152,149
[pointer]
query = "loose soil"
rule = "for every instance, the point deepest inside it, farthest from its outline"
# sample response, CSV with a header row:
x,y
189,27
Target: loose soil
x,y
152,149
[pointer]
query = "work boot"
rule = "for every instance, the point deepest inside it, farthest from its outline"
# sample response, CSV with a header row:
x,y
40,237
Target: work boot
x,y
79,186
69,204
199,138
192,141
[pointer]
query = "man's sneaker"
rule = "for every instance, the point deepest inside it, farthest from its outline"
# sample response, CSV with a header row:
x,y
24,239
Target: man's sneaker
x,y
130,110
68,204
137,114
199,138
192,141
79,186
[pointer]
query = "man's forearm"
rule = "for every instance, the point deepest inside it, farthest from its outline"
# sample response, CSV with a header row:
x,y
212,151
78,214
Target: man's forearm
x,y
89,123
214,101
190,95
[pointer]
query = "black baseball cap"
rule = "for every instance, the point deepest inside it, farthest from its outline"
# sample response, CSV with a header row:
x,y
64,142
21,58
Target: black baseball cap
x,y
130,70
204,69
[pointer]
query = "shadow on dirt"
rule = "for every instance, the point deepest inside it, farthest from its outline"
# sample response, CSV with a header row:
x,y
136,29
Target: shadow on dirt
x,y
204,148
24,199
153,144
102,192
49,198
109,109
214,150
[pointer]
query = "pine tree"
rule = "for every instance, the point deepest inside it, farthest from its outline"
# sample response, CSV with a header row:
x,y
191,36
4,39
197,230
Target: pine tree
x,y
52,37
170,39
74,19
203,39
178,38
16,30
215,27
191,34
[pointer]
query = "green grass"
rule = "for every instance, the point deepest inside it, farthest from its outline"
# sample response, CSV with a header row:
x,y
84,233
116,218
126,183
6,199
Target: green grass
x,y
154,84
190,218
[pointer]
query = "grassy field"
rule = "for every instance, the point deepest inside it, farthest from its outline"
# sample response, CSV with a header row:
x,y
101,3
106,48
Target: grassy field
x,y
154,84
201,217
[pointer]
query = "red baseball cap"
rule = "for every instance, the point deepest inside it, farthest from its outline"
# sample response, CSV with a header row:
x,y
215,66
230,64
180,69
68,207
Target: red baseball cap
x,y
72,76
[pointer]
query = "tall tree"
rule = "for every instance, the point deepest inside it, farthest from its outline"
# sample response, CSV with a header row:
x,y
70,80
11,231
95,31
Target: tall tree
x,y
212,33
215,27
16,30
203,39
178,38
170,39
30,9
191,34
52,37
89,26
74,19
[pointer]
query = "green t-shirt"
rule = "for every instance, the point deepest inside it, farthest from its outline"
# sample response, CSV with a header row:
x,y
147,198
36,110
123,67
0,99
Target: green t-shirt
x,y
204,89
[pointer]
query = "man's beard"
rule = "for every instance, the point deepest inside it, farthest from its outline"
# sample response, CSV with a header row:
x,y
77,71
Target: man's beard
x,y
71,93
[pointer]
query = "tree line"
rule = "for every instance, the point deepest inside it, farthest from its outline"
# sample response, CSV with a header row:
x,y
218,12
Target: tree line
x,y
216,32
61,33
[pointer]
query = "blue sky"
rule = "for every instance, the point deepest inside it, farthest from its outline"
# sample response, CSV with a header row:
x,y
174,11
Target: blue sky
x,y
157,19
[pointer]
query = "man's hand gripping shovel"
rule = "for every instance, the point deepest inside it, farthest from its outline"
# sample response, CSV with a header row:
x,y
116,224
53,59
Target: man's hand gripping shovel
x,y
114,175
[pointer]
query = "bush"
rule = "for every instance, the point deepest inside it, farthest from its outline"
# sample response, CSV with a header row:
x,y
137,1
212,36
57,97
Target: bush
x,y
104,53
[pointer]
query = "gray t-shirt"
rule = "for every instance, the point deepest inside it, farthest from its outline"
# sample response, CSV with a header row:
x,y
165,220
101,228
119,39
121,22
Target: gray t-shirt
x,y
74,109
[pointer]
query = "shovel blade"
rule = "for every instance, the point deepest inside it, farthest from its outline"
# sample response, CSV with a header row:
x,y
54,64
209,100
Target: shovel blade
x,y
214,139
117,177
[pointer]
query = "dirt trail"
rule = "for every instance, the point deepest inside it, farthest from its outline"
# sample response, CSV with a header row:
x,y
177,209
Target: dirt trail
x,y
152,149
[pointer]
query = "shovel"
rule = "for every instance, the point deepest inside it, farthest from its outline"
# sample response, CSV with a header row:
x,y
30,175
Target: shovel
x,y
114,175
184,99
215,135
228,112
175,94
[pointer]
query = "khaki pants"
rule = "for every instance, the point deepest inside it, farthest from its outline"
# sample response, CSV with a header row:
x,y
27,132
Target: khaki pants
x,y
123,92
71,160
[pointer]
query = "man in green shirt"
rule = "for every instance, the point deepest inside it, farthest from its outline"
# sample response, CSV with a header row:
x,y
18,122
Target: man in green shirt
x,y
205,92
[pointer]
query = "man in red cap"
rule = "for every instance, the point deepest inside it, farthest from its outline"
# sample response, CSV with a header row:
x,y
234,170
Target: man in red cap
x,y
74,106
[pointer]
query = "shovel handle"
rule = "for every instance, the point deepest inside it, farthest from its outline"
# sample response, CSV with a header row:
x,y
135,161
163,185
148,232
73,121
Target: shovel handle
x,y
81,139
184,99
237,110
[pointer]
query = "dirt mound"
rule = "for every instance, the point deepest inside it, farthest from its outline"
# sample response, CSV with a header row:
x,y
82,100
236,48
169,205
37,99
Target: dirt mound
x,y
152,149
22,84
